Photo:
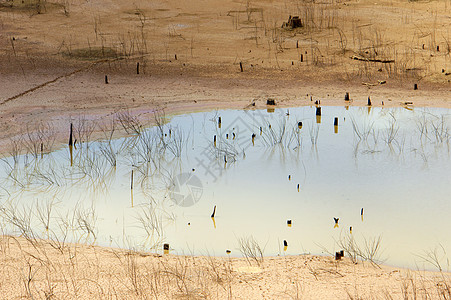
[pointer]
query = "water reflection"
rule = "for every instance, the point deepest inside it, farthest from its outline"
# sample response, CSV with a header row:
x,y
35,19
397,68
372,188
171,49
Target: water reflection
x,y
141,191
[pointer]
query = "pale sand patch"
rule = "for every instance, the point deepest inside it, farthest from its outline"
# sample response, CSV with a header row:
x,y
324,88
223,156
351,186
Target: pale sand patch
x,y
44,269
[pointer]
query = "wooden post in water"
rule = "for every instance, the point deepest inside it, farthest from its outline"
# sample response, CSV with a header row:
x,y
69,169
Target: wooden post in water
x,y
336,125
300,125
213,217
71,134
71,145
318,115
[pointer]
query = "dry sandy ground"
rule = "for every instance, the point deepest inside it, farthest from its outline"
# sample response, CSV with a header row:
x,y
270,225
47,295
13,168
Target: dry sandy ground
x,y
49,270
54,56
85,95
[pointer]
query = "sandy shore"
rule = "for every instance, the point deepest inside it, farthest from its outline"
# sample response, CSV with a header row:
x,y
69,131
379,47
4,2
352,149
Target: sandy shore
x,y
84,94
45,269
53,62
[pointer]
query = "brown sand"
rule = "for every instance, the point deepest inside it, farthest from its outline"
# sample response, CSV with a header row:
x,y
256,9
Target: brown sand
x,y
60,52
85,94
53,59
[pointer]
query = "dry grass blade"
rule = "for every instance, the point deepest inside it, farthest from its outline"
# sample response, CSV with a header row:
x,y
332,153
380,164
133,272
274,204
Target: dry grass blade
x,y
435,257
370,251
129,123
251,250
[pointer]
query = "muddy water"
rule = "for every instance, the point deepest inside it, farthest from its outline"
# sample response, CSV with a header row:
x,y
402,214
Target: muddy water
x,y
392,163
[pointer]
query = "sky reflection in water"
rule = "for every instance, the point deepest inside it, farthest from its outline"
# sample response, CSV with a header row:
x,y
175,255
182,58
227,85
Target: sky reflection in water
x,y
393,163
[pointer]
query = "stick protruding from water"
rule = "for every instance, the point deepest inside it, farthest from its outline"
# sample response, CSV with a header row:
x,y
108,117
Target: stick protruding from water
x,y
71,143
300,125
318,111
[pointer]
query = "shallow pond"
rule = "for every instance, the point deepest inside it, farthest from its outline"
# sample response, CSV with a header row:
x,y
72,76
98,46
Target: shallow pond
x,y
383,172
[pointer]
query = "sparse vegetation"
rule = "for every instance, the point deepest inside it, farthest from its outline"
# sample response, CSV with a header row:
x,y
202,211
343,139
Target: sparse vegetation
x,y
251,250
54,56
48,229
